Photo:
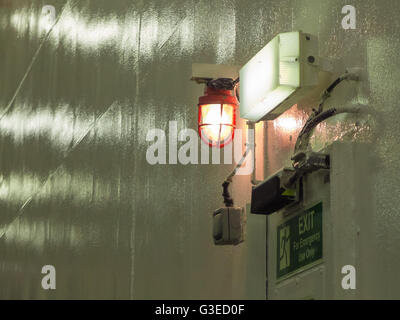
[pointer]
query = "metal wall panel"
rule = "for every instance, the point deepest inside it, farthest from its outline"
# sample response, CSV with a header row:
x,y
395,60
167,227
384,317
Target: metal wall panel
x,y
76,190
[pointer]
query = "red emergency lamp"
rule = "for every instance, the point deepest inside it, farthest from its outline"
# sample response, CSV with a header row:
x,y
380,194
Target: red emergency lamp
x,y
217,116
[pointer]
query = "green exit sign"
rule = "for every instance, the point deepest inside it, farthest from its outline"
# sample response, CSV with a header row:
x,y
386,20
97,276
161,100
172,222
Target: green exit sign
x,y
299,242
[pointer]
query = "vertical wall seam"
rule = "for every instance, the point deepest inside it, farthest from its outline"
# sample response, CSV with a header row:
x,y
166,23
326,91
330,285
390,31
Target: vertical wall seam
x,y
133,223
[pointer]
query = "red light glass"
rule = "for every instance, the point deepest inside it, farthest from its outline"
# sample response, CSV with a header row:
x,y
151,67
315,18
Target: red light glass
x,y
217,117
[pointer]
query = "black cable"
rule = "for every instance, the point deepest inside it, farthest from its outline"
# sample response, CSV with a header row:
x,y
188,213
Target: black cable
x,y
328,91
222,83
317,120
310,125
335,83
302,141
227,197
319,115
235,90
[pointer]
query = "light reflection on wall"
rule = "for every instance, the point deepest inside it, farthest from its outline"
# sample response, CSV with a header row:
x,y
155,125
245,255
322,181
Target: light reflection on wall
x,y
79,191
58,126
282,134
288,124
87,34
29,234
92,34
61,128
30,20
20,186
17,187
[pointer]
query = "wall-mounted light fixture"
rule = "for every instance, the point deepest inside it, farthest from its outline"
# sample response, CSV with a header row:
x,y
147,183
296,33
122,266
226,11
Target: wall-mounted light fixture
x,y
278,76
217,108
217,113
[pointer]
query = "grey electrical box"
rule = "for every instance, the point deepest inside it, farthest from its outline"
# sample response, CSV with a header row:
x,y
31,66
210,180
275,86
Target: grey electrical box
x,y
229,225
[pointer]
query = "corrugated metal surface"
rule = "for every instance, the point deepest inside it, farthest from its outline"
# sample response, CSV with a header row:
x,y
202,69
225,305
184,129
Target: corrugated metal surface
x,y
76,190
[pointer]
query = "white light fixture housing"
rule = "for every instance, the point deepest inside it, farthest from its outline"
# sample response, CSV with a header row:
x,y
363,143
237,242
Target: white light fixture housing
x,y
283,72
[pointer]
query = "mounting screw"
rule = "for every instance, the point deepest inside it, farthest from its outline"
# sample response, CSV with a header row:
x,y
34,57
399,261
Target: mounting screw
x,y
311,59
